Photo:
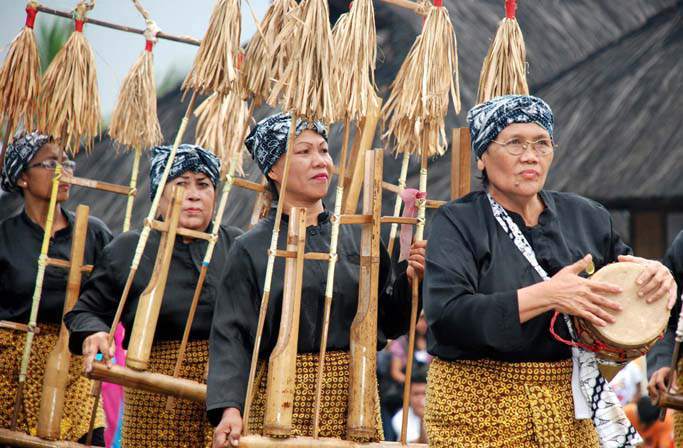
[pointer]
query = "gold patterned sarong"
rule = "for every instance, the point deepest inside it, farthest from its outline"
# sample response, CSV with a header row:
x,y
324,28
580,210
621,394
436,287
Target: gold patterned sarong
x,y
78,401
334,397
147,423
678,415
494,404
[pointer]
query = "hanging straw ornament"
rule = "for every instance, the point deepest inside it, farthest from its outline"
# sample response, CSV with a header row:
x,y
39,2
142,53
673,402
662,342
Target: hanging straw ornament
x,y
420,93
504,68
220,120
306,87
262,63
134,122
20,79
355,52
214,68
69,97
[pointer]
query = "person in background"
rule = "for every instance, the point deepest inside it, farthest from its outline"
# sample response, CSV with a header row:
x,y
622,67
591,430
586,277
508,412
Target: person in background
x,y
644,416
418,391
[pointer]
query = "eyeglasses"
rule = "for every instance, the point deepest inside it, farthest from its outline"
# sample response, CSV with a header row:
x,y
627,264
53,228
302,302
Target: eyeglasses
x,y
51,164
517,146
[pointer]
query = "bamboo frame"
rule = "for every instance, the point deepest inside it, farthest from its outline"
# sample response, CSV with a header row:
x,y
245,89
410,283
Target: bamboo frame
x,y
37,293
281,381
461,156
308,442
397,204
135,169
56,376
19,439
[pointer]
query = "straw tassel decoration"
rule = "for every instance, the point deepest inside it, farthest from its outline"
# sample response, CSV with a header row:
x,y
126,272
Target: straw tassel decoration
x,y
504,68
420,93
69,97
355,47
262,63
134,122
220,120
214,67
306,87
20,79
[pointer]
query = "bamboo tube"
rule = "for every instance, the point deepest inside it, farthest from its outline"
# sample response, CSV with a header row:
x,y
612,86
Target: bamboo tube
x,y
504,69
265,298
281,383
133,188
56,375
37,292
361,420
149,305
149,381
22,440
429,138
261,204
397,204
20,80
227,187
309,442
144,235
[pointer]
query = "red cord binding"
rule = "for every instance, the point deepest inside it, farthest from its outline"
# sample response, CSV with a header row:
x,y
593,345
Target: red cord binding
x,y
31,14
438,2
149,45
79,25
510,8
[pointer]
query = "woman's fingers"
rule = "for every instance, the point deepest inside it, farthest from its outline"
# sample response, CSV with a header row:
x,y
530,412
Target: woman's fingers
x,y
646,276
600,313
603,287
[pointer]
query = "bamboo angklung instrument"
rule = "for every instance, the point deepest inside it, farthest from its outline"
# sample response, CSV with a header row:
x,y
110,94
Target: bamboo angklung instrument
x,y
149,304
37,292
281,384
397,205
20,80
670,399
134,121
361,421
56,375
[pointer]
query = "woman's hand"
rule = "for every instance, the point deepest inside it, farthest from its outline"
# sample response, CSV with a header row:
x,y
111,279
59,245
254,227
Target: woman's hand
x,y
416,260
571,294
94,344
655,281
228,431
660,381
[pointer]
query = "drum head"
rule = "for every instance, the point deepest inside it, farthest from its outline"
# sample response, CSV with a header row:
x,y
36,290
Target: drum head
x,y
639,323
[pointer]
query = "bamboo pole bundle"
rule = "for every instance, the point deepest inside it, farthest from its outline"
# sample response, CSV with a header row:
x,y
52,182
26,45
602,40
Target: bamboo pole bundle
x,y
262,62
504,68
20,80
306,87
214,67
134,122
37,292
220,121
69,97
420,93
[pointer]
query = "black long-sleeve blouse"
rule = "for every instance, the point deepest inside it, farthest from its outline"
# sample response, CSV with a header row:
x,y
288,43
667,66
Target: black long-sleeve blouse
x,y
100,296
473,271
20,243
660,355
235,320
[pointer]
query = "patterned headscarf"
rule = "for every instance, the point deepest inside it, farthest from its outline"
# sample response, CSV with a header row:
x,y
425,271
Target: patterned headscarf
x,y
488,119
17,157
267,142
188,158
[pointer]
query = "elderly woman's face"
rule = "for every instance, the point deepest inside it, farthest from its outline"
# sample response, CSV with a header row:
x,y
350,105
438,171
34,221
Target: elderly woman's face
x,y
520,175
36,180
198,201
310,168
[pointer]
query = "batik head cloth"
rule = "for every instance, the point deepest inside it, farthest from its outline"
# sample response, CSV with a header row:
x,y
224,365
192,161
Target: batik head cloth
x,y
18,155
187,158
488,119
267,142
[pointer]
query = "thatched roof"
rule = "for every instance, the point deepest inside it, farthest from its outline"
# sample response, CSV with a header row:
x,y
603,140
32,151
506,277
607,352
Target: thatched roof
x,y
612,73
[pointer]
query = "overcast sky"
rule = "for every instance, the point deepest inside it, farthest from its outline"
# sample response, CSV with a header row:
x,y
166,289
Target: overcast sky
x,y
116,51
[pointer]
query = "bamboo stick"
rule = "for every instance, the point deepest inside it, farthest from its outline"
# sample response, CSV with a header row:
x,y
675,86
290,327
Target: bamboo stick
x,y
133,187
56,375
22,440
269,274
397,204
161,35
428,140
37,293
281,382
97,185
